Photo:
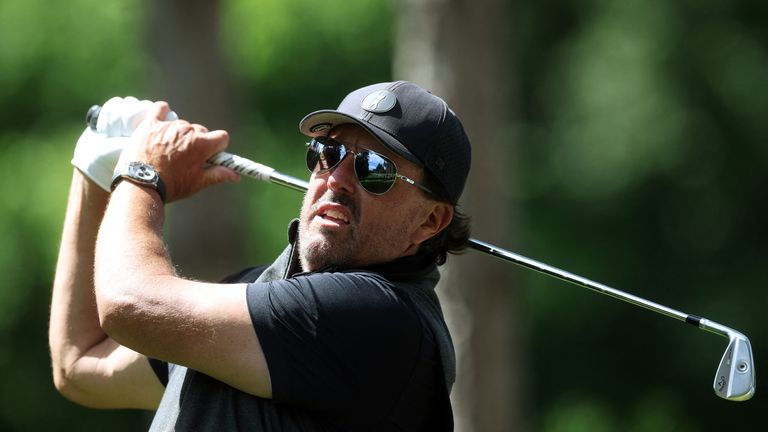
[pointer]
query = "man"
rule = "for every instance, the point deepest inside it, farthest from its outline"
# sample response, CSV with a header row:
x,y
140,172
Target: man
x,y
342,332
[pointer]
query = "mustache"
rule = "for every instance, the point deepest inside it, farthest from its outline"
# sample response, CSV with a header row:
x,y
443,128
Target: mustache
x,y
345,200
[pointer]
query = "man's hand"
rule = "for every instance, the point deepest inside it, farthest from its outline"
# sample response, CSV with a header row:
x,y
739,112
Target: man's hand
x,y
97,151
179,151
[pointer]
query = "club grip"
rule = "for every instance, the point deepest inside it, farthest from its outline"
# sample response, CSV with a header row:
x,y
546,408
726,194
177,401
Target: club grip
x,y
92,116
242,166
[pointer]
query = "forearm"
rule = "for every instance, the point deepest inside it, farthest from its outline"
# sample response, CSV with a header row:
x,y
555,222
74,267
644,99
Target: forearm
x,y
131,264
74,325
144,306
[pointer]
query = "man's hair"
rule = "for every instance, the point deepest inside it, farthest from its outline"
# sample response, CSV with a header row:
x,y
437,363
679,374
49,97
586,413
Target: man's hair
x,y
453,239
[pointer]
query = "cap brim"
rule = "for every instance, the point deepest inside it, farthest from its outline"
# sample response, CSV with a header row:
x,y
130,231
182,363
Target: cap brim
x,y
319,123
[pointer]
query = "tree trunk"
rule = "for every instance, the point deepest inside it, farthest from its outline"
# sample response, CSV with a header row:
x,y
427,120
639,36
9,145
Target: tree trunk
x,y
456,49
204,233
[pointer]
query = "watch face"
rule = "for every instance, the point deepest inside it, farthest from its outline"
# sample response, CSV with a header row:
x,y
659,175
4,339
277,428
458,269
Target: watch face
x,y
142,172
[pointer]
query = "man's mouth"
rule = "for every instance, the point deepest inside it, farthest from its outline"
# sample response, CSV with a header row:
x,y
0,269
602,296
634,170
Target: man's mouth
x,y
335,216
335,210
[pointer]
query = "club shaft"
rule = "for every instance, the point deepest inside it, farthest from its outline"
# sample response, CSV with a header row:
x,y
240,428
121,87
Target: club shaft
x,y
256,170
555,272
575,279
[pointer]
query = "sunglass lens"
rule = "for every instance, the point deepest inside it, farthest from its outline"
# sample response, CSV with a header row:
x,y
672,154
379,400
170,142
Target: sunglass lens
x,y
313,156
327,156
374,172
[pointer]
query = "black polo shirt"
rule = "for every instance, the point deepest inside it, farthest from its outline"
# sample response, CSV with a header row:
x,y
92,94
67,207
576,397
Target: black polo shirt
x,y
347,350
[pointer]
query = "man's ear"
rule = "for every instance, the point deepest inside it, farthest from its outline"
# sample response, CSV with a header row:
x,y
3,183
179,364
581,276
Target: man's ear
x,y
438,218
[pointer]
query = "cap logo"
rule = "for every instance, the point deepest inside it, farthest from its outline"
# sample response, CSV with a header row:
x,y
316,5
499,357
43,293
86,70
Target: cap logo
x,y
379,101
320,127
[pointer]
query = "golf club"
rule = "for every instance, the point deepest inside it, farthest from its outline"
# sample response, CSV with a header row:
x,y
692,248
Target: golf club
x,y
735,376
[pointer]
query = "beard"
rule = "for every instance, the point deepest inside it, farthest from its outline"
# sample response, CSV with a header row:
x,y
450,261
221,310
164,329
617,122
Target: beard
x,y
321,247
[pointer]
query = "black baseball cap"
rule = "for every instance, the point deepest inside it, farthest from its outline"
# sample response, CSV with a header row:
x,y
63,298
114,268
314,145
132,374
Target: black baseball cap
x,y
412,122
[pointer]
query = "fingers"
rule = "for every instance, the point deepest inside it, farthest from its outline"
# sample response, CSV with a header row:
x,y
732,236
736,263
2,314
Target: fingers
x,y
159,111
218,174
185,168
219,140
216,141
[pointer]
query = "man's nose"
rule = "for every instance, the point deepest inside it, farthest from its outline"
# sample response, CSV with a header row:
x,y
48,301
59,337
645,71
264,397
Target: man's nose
x,y
342,178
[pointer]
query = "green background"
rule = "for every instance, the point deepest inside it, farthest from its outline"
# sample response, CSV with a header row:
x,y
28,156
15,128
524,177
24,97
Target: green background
x,y
641,131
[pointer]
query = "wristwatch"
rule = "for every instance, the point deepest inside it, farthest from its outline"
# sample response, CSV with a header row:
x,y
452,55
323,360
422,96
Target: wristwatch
x,y
141,173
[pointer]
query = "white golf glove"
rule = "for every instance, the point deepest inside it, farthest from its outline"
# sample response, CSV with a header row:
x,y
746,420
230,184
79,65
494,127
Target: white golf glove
x,y
97,151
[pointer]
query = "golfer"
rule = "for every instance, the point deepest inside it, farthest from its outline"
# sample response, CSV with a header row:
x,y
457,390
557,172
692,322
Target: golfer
x,y
343,331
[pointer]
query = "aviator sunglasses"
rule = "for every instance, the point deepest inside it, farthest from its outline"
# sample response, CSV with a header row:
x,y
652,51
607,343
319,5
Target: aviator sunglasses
x,y
375,172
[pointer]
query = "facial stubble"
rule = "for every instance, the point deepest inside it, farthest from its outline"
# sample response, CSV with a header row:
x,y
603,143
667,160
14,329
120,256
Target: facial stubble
x,y
321,247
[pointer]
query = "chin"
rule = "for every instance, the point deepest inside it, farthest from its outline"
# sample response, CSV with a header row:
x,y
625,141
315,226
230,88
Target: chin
x,y
318,249
319,253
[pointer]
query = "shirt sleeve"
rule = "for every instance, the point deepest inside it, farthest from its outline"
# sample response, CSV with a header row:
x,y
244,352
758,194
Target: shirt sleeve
x,y
160,368
335,341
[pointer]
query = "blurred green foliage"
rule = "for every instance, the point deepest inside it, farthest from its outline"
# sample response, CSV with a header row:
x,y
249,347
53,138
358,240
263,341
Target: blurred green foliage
x,y
641,135
57,57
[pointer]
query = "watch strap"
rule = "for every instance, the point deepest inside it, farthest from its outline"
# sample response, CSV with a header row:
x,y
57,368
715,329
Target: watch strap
x,y
124,173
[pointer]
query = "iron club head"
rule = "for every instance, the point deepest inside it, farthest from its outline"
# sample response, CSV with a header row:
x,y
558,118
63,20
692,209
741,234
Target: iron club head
x,y
735,378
